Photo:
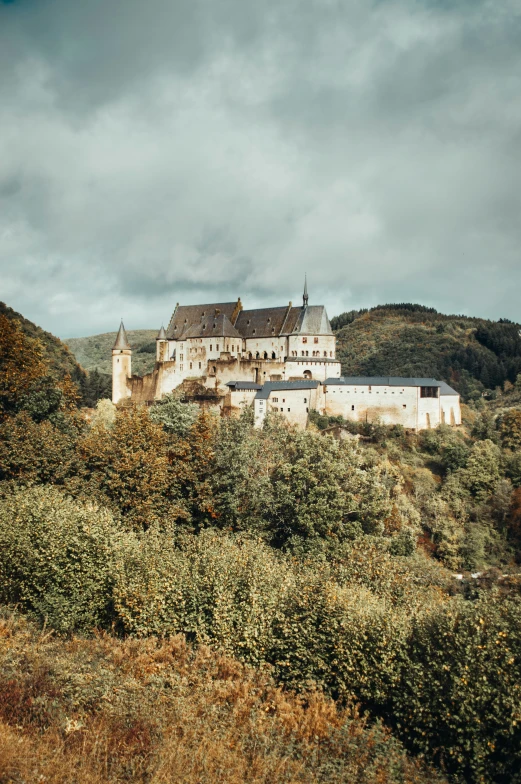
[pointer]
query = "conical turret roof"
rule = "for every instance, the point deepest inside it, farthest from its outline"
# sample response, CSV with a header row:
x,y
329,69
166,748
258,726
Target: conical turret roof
x,y
161,335
121,340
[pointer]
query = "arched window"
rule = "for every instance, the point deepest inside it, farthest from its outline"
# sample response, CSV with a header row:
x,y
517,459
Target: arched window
x,y
325,353
265,355
307,374
273,355
250,355
257,356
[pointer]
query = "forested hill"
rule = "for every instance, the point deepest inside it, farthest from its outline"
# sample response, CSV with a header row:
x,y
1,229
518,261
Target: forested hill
x,y
471,354
94,353
60,360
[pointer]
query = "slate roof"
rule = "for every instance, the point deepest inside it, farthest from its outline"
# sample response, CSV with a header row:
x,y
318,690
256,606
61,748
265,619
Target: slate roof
x,y
218,327
280,386
313,321
186,316
267,322
260,322
161,335
121,339
446,390
314,359
382,381
244,385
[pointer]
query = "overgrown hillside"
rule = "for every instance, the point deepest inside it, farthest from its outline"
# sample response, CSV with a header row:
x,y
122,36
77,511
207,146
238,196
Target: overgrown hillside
x,y
329,564
471,354
104,710
59,359
94,353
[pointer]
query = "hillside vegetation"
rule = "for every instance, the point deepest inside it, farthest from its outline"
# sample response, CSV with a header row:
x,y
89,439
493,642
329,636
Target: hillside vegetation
x,y
471,354
94,353
60,361
103,710
307,565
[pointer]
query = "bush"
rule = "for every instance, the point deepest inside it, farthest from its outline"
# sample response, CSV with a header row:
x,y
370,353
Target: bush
x,y
459,700
57,558
212,588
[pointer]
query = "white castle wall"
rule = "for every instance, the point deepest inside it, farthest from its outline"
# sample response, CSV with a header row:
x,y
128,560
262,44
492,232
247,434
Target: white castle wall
x,y
390,405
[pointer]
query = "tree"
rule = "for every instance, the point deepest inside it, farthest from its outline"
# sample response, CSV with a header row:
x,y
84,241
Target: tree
x,y
175,416
127,467
510,429
21,366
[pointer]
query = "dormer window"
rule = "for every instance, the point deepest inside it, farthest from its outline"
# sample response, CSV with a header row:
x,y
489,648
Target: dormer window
x,y
203,314
248,323
253,332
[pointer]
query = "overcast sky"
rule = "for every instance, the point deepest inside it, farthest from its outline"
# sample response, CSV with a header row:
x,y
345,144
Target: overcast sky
x,y
163,151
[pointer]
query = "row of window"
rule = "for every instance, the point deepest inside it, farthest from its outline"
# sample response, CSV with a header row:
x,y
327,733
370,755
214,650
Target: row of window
x,y
305,340
276,400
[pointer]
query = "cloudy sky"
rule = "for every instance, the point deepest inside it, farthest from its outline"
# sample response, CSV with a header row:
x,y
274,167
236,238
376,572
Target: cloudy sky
x,y
195,150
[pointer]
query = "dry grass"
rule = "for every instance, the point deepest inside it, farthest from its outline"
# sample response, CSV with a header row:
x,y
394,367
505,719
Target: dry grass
x,y
106,710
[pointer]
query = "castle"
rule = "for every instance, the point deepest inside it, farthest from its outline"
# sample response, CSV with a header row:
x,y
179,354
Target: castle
x,y
277,359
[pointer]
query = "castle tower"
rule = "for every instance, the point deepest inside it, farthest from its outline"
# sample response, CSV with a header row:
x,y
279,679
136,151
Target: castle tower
x,y
121,366
161,344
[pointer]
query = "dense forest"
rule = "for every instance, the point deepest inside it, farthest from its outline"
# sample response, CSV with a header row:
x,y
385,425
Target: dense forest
x,y
188,598
473,355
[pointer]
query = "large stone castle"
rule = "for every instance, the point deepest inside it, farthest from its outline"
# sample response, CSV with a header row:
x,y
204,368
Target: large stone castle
x,y
278,359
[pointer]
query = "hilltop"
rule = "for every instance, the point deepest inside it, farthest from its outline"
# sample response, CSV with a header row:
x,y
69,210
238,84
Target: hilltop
x,y
58,356
471,354
94,353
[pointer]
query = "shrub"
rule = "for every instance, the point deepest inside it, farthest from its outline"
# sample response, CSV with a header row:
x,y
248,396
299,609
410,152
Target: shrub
x,y
459,700
57,558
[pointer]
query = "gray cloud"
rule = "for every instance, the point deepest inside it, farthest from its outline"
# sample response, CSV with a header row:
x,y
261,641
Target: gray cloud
x,y
182,151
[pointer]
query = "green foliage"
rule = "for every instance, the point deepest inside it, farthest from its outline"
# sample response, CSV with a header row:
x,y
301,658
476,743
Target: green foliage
x,y
37,452
173,415
212,588
510,429
95,352
96,386
459,699
56,356
57,558
127,468
411,340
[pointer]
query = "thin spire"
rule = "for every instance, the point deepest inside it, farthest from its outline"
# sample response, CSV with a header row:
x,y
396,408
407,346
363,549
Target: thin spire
x,y
161,334
305,297
121,339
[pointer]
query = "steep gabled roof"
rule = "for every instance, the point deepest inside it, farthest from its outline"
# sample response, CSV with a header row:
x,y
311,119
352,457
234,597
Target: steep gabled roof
x,y
186,316
313,320
262,322
121,339
218,327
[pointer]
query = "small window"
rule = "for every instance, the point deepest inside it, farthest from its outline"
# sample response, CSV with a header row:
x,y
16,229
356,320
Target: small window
x,y
283,399
315,340
304,340
289,409
199,366
190,365
275,400
211,347
305,400
352,408
307,410
180,367
233,348
404,405
217,347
